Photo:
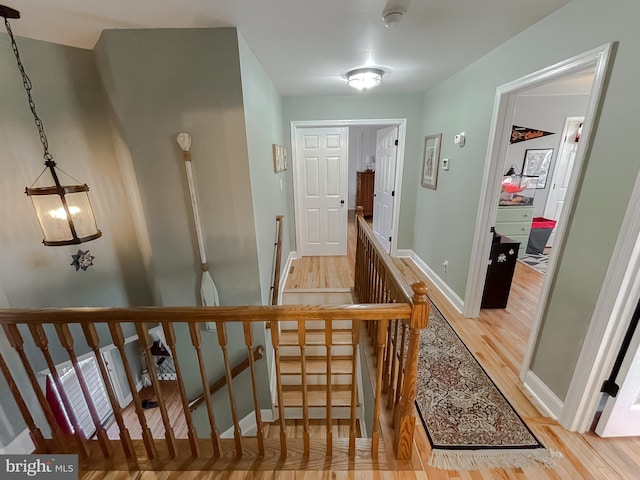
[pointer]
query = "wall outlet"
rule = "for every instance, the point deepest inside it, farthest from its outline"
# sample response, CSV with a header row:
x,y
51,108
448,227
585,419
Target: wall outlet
x,y
445,266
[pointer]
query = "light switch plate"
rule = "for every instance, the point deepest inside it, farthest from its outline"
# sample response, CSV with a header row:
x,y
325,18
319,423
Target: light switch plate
x,y
445,164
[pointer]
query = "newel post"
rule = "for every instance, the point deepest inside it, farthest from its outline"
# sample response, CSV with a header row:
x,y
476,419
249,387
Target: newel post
x,y
406,422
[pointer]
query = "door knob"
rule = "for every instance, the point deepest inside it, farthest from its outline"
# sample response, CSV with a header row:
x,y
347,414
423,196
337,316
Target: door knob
x,y
342,202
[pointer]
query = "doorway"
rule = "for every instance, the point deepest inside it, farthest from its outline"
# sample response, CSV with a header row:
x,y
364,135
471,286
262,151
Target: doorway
x,y
367,161
501,128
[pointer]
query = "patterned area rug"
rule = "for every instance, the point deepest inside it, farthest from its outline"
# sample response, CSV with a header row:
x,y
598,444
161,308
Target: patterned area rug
x,y
537,262
470,424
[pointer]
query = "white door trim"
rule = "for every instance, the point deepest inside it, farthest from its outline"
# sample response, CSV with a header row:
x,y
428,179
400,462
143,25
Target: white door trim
x,y
617,300
504,106
402,132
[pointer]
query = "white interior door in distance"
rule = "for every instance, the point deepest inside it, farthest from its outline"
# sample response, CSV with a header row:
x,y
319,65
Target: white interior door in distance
x,y
321,178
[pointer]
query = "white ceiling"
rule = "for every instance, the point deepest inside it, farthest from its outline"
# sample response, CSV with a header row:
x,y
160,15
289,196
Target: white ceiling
x,y
306,46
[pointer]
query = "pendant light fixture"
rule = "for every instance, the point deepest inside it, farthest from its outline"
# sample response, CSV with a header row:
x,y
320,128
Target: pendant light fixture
x,y
63,210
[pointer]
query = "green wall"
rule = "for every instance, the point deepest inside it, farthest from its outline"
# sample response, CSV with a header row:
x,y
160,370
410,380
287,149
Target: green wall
x,y
269,190
445,218
368,106
160,83
70,101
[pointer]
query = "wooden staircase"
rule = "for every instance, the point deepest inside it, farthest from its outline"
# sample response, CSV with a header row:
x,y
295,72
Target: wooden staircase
x,y
321,385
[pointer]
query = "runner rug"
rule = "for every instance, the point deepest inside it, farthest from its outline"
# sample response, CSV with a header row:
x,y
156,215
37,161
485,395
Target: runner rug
x,y
470,424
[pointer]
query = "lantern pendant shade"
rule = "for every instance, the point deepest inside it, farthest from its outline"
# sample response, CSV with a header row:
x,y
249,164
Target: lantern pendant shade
x,y
64,211
65,214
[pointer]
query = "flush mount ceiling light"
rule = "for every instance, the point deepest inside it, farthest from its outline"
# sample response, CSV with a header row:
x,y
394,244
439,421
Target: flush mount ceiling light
x,y
364,78
64,211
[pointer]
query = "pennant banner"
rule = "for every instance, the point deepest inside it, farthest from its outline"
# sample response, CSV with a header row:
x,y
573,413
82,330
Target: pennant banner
x,y
522,134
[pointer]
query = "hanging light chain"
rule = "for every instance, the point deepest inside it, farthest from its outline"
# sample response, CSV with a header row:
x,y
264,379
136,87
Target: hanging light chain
x,y
26,82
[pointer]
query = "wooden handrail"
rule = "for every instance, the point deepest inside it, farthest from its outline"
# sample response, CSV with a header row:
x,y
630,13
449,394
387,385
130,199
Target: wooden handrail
x,y
258,353
192,315
277,261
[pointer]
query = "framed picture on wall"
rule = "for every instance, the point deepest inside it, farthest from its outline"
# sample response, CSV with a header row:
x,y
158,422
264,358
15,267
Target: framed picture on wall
x,y
431,161
536,163
279,158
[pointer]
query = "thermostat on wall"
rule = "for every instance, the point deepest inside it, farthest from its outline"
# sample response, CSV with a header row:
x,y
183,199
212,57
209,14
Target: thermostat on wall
x,y
459,139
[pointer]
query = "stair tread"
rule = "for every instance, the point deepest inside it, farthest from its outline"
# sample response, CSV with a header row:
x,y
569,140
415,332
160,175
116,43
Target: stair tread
x,y
317,395
316,337
316,365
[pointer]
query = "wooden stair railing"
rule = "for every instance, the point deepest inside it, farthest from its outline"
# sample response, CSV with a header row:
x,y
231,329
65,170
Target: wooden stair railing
x,y
392,312
396,342
158,444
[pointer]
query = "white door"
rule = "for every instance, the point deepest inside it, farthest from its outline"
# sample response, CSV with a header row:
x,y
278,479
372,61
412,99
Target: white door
x,y
321,185
562,172
385,184
621,414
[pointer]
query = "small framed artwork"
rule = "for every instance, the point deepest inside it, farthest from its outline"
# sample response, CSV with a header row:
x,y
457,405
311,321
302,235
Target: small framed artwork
x,y
279,158
431,160
537,163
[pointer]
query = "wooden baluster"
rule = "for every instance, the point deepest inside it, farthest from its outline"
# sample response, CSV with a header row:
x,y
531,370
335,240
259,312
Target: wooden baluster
x,y
302,341
34,432
380,294
374,275
394,365
328,341
118,340
222,339
196,340
396,410
374,272
170,337
359,256
386,382
248,341
17,343
355,340
406,423
275,341
144,341
42,342
93,340
66,340
381,342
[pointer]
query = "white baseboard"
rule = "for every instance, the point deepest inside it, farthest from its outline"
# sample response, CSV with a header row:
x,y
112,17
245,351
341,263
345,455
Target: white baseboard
x,y
445,289
542,397
293,255
21,445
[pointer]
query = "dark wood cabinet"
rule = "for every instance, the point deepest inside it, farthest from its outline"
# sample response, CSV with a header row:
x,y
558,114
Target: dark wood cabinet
x,y
364,192
502,264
